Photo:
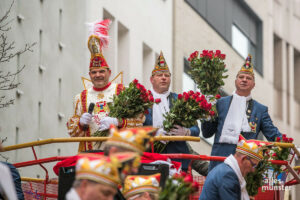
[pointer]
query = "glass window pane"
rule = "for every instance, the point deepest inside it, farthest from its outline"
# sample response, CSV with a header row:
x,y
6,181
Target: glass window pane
x,y
187,83
240,42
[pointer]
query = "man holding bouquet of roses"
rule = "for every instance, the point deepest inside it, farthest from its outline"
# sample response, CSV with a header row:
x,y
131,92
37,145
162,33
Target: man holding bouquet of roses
x,y
87,119
238,113
160,80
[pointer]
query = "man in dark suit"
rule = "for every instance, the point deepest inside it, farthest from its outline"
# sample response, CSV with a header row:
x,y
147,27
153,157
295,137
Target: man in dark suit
x,y
237,114
160,80
226,181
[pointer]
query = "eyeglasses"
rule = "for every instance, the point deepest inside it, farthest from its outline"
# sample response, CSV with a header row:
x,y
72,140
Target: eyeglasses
x,y
253,164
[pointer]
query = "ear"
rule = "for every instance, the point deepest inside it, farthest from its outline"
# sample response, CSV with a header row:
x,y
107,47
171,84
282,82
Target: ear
x,y
109,71
151,79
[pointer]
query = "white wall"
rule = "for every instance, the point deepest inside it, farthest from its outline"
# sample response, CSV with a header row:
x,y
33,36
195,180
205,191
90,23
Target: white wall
x,y
63,21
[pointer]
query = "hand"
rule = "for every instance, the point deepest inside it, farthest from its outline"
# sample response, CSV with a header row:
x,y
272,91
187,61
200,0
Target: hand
x,y
161,132
180,130
106,122
85,119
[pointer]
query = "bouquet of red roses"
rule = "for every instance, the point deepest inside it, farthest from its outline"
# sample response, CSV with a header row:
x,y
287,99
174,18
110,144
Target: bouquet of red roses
x,y
132,101
179,187
207,70
187,109
131,104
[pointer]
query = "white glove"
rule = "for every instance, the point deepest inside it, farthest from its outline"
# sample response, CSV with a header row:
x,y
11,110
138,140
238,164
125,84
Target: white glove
x,y
106,122
180,130
161,132
85,119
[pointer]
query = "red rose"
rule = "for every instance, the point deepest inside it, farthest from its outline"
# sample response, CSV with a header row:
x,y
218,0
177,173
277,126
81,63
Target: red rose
x,y
205,52
149,92
218,96
183,174
157,100
191,92
138,86
211,52
188,179
151,98
195,186
283,135
218,52
146,112
278,139
274,154
211,113
180,96
195,96
222,56
198,99
291,140
209,106
135,81
186,97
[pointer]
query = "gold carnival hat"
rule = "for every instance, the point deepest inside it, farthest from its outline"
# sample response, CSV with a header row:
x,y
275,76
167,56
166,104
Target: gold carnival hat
x,y
99,169
247,67
161,65
252,149
126,160
138,184
98,39
134,139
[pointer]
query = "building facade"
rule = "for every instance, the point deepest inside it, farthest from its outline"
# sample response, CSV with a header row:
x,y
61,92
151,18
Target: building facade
x,y
52,76
268,31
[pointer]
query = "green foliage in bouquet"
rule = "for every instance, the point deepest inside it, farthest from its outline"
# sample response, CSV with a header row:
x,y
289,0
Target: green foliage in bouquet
x,y
279,153
187,109
131,102
179,187
207,71
255,179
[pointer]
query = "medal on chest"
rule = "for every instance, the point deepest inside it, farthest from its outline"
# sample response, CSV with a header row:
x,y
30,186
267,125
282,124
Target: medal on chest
x,y
253,126
101,106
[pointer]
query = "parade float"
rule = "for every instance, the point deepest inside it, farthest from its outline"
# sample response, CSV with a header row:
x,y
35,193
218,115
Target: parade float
x,y
273,176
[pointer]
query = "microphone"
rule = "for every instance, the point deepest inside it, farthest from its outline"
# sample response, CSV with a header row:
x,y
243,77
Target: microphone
x,y
90,110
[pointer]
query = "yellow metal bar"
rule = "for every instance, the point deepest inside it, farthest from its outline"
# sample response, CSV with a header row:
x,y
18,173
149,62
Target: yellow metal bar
x,y
284,145
287,145
296,167
92,139
55,140
38,180
177,138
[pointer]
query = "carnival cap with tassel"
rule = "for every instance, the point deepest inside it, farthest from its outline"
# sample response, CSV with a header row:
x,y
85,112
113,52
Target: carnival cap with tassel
x,y
98,38
134,139
247,67
160,65
99,169
250,148
135,185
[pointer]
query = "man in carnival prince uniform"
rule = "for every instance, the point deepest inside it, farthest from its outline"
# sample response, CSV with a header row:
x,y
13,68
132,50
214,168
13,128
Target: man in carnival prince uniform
x,y
239,113
100,94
